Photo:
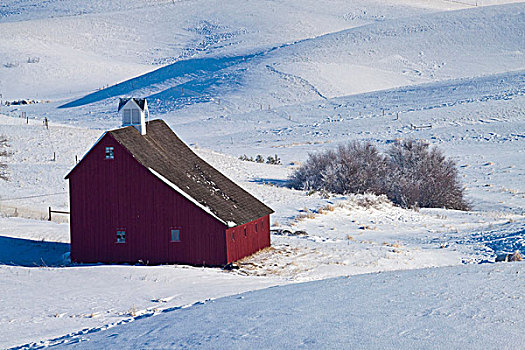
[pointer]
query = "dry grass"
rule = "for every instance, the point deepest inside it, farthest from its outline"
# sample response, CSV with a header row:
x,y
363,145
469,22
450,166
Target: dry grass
x,y
302,216
516,256
249,259
327,208
393,245
132,312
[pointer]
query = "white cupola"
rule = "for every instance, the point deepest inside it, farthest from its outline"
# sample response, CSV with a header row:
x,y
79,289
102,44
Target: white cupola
x,y
134,112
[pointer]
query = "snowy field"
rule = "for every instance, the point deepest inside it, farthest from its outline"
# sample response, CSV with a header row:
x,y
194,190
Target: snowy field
x,y
467,307
287,78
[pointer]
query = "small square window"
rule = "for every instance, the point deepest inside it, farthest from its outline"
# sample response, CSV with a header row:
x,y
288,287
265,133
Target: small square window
x,y
175,235
110,153
121,236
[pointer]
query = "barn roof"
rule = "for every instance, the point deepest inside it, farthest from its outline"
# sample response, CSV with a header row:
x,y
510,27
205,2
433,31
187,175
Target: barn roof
x,y
171,160
141,102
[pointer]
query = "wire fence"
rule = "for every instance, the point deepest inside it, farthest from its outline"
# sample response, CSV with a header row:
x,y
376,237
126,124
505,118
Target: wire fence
x,y
35,196
14,210
472,3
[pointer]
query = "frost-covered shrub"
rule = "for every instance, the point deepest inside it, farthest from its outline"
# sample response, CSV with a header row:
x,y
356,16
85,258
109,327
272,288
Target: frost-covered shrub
x,y
273,160
411,174
309,175
260,159
246,158
421,176
352,168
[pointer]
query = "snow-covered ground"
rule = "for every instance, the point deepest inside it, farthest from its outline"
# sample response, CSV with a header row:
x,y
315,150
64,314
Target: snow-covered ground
x,y
464,307
287,78
43,298
345,235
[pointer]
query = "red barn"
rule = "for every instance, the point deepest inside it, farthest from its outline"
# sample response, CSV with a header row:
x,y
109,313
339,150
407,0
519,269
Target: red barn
x,y
141,194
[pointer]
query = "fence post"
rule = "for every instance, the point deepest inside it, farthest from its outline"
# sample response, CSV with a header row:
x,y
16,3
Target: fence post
x,y
49,218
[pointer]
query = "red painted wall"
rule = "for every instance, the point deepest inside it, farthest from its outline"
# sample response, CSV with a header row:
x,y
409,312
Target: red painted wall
x,y
247,239
107,195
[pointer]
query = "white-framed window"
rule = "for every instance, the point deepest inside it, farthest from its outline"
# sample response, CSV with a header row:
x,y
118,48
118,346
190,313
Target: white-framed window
x,y
127,117
135,116
121,236
175,235
110,152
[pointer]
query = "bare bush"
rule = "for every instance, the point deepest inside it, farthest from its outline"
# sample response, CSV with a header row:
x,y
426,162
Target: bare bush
x,y
421,176
411,174
352,168
260,159
273,160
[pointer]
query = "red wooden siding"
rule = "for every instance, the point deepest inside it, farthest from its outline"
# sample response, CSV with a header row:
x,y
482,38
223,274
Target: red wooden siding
x,y
107,195
257,237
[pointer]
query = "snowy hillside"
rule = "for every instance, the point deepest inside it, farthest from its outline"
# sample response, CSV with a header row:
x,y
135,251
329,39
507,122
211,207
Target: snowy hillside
x,y
283,78
469,307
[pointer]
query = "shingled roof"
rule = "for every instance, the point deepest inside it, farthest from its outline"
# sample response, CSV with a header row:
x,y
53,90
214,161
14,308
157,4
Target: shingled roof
x,y
167,157
141,102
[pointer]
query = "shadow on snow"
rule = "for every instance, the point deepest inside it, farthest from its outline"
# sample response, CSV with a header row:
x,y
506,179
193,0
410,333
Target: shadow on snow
x,y
203,73
30,253
274,182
